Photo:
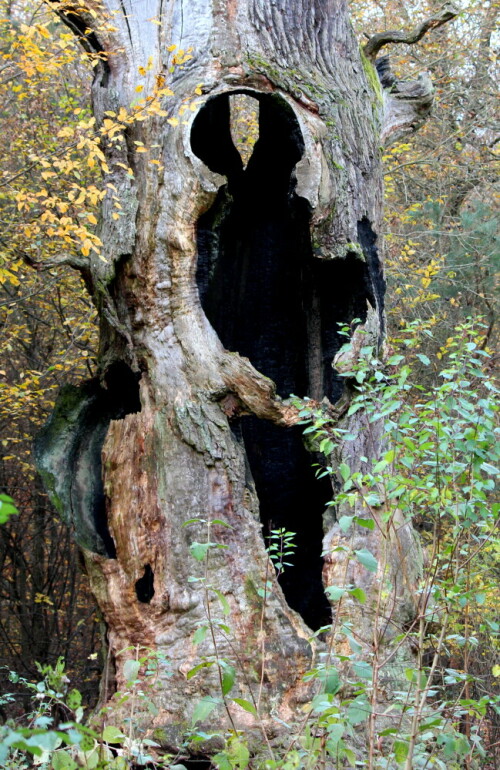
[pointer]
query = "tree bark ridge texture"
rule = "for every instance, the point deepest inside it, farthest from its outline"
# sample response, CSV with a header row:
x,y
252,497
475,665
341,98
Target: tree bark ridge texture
x,y
221,293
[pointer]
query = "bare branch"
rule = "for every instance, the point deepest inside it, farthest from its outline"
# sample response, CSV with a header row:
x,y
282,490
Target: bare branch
x,y
378,41
57,260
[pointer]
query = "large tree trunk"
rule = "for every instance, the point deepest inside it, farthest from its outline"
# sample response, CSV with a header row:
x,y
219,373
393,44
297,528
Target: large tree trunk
x,y
221,294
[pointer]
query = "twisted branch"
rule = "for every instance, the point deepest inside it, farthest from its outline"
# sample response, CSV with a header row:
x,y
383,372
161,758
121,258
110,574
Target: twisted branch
x,y
378,41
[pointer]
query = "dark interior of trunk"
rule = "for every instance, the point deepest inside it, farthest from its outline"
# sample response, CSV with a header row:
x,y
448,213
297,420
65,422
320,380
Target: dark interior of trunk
x,y
269,299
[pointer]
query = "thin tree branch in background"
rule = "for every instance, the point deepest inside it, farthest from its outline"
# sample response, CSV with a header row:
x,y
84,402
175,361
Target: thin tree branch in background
x,y
381,39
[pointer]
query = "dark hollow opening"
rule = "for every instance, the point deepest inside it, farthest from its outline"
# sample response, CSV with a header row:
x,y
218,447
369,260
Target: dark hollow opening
x,y
271,300
144,587
119,398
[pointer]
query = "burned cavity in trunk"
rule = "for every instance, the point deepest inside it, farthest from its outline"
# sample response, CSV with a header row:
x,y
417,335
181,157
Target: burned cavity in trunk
x,y
270,299
69,451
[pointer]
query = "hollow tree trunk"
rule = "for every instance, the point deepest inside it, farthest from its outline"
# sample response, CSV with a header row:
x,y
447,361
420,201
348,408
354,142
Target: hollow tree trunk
x,y
221,294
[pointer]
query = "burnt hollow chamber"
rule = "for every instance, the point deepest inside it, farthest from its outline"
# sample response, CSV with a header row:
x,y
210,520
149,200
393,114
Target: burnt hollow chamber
x,y
269,299
68,452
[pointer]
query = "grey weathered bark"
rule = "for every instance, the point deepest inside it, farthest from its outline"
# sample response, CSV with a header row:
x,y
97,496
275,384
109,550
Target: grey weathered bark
x,y
221,294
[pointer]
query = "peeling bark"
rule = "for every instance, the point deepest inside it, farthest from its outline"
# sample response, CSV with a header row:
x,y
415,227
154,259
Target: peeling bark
x,y
221,294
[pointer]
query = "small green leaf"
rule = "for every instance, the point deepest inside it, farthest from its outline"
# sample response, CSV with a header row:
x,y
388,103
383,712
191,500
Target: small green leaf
x,y
200,634
389,456
326,446
131,670
345,522
228,677
61,760
335,593
335,733
344,471
372,499
400,750
367,559
112,734
362,669
331,680
425,360
358,594
224,602
7,508
358,711
366,523
199,550
203,709
193,671
349,755
73,699
246,705
354,645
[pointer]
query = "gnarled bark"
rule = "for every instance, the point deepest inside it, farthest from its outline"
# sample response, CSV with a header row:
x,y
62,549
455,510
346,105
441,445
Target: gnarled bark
x,y
221,294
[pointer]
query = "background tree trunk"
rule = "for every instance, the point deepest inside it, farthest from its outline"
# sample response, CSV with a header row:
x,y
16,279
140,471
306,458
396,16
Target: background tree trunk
x,y
221,293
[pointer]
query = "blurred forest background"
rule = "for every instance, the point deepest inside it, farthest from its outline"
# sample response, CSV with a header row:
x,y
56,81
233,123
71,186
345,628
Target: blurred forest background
x,y
441,250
